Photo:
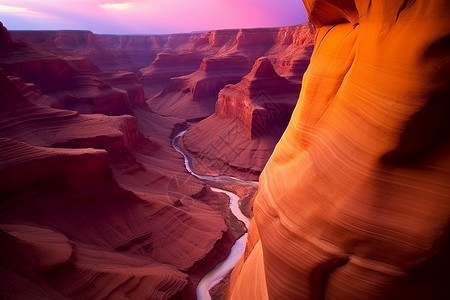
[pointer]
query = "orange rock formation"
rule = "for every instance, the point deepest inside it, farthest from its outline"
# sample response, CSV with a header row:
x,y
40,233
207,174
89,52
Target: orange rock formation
x,y
354,203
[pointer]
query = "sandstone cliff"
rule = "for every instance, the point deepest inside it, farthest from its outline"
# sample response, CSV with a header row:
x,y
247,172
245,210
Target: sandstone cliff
x,y
249,119
108,52
250,116
71,81
96,206
354,203
191,76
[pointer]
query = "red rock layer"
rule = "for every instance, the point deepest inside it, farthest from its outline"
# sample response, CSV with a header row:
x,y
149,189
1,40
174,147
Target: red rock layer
x,y
193,96
251,116
93,208
227,55
108,52
128,82
354,202
249,119
166,65
71,81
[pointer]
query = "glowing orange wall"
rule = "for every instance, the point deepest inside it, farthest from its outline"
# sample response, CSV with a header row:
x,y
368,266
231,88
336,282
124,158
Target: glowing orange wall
x,y
355,198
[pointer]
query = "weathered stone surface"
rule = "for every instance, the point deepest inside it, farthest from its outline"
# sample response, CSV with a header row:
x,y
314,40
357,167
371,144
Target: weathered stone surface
x,y
354,203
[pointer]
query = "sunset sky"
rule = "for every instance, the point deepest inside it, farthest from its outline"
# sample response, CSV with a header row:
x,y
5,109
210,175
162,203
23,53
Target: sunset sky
x,y
149,16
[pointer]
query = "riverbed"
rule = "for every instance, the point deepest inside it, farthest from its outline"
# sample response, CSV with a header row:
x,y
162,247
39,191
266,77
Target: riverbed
x,y
223,268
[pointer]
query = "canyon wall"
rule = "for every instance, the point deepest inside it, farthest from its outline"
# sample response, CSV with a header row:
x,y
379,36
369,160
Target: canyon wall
x,y
94,201
108,52
193,73
249,116
354,203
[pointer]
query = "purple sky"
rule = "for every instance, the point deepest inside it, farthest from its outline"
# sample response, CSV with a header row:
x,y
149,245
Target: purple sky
x,y
149,16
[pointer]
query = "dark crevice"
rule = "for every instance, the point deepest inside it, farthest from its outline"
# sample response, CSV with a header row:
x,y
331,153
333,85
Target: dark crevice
x,y
318,46
319,276
403,7
428,279
428,130
439,49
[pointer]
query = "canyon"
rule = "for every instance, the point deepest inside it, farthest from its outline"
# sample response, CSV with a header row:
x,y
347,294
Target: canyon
x,y
95,202
120,154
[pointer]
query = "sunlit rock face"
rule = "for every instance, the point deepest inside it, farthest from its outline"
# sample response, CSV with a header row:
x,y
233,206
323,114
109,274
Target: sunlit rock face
x,y
354,203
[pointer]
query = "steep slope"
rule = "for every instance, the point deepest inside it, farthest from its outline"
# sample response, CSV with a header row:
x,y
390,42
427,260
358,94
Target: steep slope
x,y
91,207
354,203
193,96
126,81
248,121
250,116
226,56
166,65
213,50
71,81
291,54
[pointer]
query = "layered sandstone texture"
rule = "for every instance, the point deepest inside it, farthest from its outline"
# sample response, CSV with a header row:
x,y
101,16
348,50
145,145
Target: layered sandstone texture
x,y
95,206
249,119
250,116
71,81
354,203
108,52
194,71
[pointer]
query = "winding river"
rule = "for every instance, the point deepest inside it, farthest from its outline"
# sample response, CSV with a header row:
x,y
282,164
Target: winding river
x,y
223,268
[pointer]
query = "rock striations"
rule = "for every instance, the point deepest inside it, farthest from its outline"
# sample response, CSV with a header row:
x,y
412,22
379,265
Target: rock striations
x,y
72,81
250,112
249,119
354,203
108,52
192,74
96,206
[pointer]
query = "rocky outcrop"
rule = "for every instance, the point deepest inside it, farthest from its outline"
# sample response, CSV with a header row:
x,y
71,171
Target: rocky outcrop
x,y
292,52
228,55
5,38
354,201
249,119
262,101
250,116
126,81
72,82
194,96
162,57
166,65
